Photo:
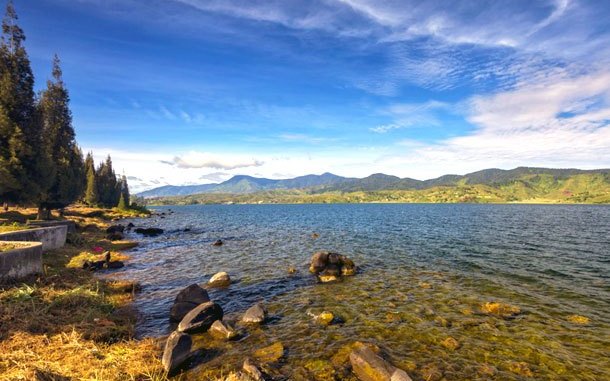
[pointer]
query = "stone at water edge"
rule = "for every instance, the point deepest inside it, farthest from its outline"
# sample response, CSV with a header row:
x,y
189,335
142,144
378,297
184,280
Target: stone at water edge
x,y
186,300
252,371
325,318
222,331
255,314
177,351
220,279
201,318
368,366
218,242
270,354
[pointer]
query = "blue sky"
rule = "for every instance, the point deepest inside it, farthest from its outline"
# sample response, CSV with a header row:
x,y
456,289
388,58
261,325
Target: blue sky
x,y
193,91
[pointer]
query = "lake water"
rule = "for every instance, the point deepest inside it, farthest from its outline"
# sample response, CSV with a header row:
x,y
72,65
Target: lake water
x,y
425,271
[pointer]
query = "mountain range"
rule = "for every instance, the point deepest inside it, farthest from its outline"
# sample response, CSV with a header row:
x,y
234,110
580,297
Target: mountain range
x,y
328,182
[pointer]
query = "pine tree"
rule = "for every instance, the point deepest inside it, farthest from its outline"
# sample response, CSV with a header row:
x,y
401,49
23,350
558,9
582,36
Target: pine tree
x,y
125,191
21,158
66,159
91,195
108,194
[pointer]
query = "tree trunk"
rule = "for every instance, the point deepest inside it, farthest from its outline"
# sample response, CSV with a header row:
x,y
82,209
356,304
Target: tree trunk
x,y
43,213
5,206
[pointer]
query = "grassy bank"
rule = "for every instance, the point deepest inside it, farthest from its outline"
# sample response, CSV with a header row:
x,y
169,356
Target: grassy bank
x,y
68,323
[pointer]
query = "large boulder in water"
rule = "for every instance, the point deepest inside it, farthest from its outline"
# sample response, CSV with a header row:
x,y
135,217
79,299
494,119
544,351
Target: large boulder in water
x,y
330,266
177,351
201,318
368,366
186,300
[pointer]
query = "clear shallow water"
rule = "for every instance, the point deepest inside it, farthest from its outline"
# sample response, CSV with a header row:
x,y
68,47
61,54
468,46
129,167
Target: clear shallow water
x,y
425,272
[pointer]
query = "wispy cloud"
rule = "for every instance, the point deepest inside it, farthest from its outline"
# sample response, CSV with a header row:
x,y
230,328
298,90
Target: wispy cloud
x,y
413,115
206,160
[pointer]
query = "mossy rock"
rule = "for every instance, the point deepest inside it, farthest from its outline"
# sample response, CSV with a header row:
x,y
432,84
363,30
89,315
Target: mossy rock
x,y
270,354
321,370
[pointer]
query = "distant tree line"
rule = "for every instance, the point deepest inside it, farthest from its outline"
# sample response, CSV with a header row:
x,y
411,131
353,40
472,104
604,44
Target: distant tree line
x,y
40,161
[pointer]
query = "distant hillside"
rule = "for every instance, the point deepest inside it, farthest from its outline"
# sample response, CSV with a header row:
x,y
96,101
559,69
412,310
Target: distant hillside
x,y
523,181
246,184
589,187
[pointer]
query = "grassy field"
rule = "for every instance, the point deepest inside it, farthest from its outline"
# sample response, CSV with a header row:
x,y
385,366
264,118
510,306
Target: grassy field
x,y
69,324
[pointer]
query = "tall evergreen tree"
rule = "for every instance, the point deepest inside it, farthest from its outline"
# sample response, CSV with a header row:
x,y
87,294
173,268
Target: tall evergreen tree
x,y
91,195
125,191
20,154
108,194
66,159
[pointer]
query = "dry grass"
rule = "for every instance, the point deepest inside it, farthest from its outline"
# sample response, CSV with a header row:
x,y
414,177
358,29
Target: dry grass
x,y
69,324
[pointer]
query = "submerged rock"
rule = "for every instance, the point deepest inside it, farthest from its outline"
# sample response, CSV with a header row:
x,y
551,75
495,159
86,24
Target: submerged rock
x,y
238,376
218,242
451,343
329,267
115,265
270,354
368,366
177,351
255,314
115,229
201,318
115,236
578,319
149,232
251,370
186,300
222,330
500,309
220,279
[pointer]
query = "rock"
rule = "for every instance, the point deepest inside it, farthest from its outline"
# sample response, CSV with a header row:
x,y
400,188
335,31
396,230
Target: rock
x,y
115,265
326,277
255,314
218,242
500,309
318,261
270,354
115,229
177,351
115,236
329,267
368,366
220,279
451,343
521,368
130,225
578,319
251,370
292,270
325,318
186,300
201,318
222,331
315,235
238,376
149,232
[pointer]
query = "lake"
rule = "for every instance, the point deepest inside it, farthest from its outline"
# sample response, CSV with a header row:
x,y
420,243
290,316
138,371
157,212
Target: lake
x,y
425,270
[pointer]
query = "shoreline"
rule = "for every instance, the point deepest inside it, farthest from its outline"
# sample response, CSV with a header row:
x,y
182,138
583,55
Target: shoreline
x,y
70,321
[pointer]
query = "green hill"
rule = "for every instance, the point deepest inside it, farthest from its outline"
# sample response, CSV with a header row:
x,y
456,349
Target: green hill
x,y
520,185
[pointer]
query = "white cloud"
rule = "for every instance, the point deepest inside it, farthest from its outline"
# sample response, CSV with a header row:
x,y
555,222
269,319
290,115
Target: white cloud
x,y
207,160
558,122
